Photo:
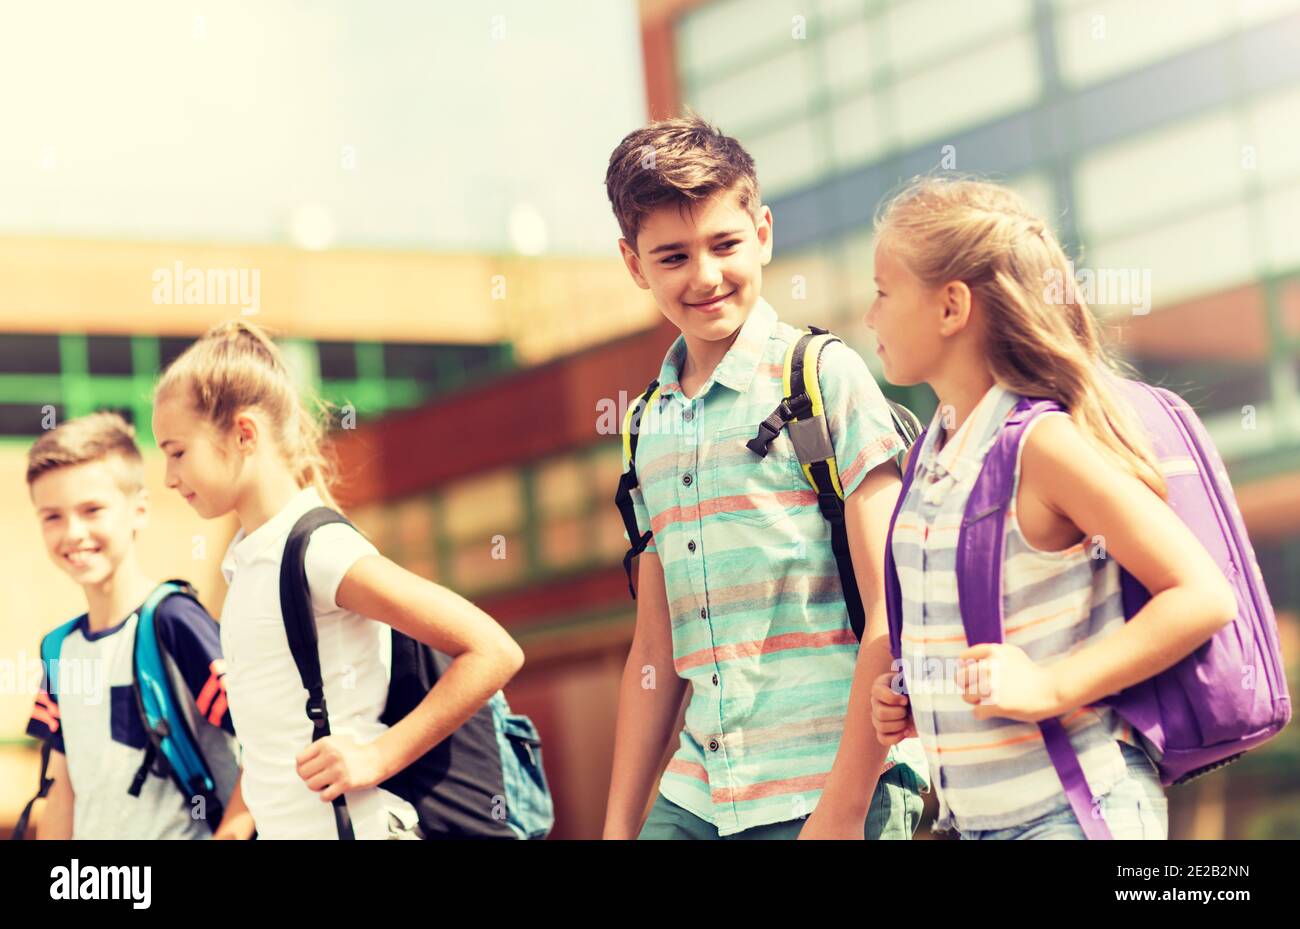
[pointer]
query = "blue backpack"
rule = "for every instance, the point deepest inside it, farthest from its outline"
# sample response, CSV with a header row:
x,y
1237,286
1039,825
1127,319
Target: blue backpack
x,y
484,781
172,750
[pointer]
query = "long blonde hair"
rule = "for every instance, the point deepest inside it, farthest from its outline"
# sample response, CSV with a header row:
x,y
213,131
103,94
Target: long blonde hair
x,y
961,229
235,365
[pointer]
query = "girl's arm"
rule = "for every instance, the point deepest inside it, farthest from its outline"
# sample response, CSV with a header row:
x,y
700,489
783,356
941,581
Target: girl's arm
x,y
1067,483
484,658
237,822
649,702
55,821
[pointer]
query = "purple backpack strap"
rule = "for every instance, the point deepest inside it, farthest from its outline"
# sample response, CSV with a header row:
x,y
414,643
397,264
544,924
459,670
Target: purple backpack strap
x,y
980,556
893,590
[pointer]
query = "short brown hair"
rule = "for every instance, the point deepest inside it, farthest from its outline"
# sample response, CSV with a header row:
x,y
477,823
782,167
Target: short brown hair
x,y
679,160
95,437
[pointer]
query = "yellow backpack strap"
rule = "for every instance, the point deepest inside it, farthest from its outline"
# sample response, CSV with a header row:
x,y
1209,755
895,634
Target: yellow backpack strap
x,y
628,481
802,414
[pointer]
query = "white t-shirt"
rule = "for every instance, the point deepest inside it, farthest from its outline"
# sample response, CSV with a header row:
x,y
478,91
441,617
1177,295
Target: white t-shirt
x,y
267,699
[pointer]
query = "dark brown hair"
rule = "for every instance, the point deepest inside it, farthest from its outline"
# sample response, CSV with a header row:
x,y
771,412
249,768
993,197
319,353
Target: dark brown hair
x,y
680,160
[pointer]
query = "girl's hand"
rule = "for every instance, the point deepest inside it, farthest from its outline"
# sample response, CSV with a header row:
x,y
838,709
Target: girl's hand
x,y
336,764
1001,680
889,712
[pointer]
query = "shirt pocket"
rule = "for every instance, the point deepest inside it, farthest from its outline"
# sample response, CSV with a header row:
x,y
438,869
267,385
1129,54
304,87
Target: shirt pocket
x,y
743,488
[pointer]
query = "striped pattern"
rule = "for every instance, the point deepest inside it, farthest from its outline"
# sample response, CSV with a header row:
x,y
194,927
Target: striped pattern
x,y
753,594
211,700
995,773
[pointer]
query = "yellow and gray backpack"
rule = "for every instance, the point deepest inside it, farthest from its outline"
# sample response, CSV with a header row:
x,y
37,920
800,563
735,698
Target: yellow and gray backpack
x,y
801,414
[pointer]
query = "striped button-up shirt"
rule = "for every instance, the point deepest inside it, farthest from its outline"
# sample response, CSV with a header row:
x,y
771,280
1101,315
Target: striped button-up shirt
x,y
995,773
759,625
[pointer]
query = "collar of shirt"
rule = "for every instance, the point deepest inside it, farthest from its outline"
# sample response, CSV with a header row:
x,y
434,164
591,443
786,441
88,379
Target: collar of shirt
x,y
736,370
962,455
246,547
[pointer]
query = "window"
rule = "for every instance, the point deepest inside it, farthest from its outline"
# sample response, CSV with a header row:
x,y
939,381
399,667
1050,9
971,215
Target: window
x,y
923,32
1102,39
337,360
1160,175
29,354
775,85
718,37
109,354
999,77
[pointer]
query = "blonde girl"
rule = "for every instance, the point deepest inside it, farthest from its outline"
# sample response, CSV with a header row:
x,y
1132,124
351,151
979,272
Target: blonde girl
x,y
238,440
965,303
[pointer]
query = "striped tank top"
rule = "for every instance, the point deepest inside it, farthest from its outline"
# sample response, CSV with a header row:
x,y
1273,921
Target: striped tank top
x,y
995,773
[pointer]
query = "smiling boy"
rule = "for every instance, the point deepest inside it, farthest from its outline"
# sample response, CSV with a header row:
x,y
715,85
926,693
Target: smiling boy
x,y
739,591
86,480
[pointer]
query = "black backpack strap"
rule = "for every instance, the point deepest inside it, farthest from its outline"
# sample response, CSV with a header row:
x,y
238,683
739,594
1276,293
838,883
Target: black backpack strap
x,y
628,481
300,628
42,792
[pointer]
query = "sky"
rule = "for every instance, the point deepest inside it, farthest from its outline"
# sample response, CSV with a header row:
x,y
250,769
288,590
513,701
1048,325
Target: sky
x,y
479,125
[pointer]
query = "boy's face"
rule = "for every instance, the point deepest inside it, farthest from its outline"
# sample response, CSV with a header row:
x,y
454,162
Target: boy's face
x,y
703,263
203,466
906,319
88,521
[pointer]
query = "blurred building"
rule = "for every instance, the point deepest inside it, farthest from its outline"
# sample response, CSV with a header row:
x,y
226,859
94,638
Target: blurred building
x,y
1156,136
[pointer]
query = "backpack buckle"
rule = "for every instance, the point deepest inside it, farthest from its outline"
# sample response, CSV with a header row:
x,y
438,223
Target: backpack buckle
x,y
316,711
795,407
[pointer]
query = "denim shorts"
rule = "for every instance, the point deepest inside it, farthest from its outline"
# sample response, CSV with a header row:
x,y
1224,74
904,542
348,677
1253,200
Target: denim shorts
x,y
895,811
1135,808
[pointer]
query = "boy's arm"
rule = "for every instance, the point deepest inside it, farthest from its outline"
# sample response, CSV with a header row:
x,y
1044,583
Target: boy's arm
x,y
842,810
55,820
646,714
865,443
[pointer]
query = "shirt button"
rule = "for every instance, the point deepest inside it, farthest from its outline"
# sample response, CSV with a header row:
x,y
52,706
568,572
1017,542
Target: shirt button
x,y
704,613
715,680
686,479
688,415
713,745
690,546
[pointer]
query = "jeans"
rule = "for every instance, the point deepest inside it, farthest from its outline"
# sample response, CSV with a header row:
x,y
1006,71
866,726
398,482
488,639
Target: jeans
x,y
894,814
1135,808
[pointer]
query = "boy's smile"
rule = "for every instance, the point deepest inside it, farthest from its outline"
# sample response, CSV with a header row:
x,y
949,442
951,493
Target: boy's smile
x,y
703,264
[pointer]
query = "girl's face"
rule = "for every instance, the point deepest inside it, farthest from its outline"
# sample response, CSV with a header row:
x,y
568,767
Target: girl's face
x,y
203,465
906,317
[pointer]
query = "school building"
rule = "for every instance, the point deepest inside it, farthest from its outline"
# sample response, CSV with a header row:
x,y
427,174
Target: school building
x,y
1156,138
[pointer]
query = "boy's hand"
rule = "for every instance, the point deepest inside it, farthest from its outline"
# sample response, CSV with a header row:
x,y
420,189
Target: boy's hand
x,y
336,764
823,824
1001,680
889,712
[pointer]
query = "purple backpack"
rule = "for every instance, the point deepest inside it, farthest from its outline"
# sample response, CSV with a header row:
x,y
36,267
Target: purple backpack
x,y
1208,709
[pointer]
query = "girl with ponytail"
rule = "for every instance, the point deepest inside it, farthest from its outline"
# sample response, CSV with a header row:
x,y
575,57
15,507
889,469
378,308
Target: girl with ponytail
x,y
973,299
238,440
